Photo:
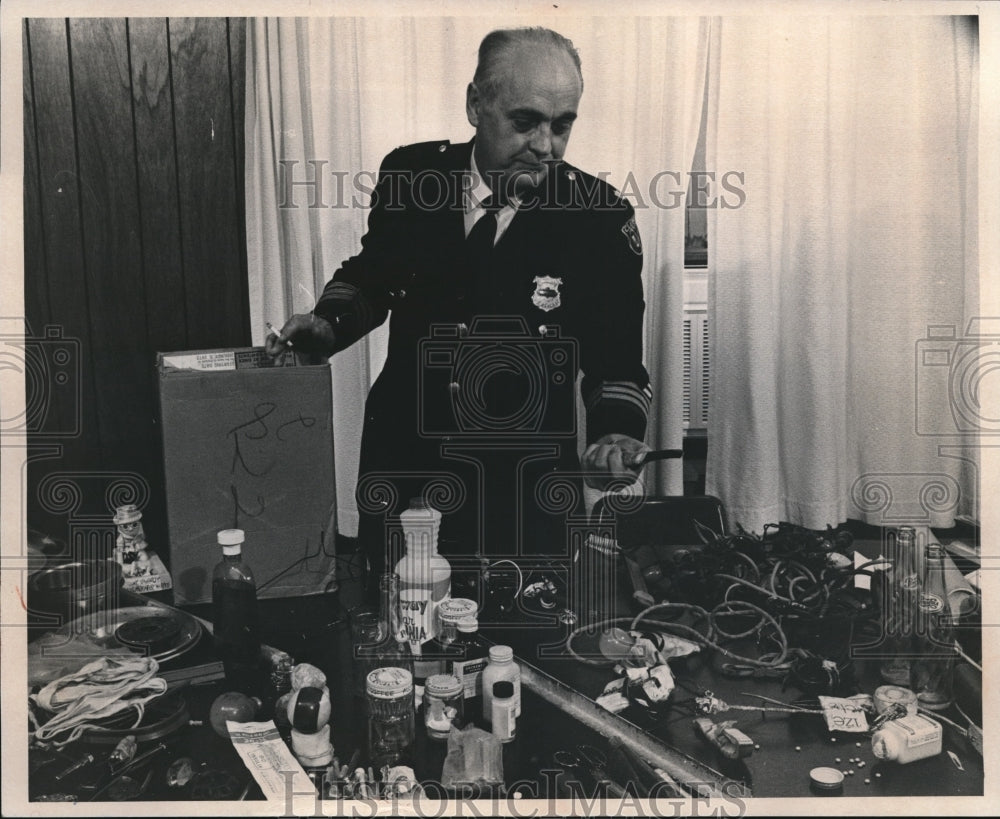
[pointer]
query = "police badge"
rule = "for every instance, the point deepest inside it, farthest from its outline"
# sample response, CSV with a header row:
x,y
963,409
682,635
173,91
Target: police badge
x,y
546,296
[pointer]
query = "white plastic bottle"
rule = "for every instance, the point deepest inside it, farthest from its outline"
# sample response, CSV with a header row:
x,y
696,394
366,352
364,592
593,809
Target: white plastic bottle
x,y
500,667
907,739
424,582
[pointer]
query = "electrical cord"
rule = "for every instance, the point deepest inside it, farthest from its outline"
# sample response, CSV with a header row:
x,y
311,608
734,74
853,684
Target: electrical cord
x,y
709,640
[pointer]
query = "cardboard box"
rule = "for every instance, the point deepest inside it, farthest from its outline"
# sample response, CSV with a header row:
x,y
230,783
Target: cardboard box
x,y
250,449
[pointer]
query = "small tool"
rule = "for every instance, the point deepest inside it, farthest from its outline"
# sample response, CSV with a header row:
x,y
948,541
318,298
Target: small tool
x,y
730,741
83,761
642,458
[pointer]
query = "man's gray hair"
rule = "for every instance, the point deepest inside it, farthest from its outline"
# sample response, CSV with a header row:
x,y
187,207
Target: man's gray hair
x,y
497,43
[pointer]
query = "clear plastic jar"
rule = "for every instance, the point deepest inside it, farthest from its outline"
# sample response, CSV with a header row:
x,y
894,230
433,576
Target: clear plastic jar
x,y
444,705
500,667
391,717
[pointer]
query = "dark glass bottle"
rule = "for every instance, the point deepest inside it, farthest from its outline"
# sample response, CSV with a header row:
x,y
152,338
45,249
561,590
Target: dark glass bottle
x,y
236,623
931,670
468,667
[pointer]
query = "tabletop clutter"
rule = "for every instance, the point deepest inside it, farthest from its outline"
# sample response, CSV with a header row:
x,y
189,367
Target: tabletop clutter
x,y
784,605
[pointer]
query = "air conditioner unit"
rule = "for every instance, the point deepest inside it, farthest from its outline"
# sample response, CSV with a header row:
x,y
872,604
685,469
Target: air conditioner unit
x,y
696,369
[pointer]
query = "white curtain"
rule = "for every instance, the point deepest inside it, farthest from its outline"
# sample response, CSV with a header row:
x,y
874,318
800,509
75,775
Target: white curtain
x,y
857,138
334,95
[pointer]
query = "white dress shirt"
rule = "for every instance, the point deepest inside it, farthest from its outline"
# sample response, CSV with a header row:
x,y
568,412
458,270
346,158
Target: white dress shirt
x,y
478,193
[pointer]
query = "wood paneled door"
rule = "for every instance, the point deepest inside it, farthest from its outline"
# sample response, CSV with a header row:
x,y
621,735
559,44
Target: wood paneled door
x,y
134,231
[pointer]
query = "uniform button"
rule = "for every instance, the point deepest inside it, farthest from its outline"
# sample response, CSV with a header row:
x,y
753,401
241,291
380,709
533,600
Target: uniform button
x,y
463,328
442,148
401,294
571,175
454,387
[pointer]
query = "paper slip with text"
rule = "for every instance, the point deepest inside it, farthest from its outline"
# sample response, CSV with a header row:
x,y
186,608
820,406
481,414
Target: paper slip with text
x,y
266,756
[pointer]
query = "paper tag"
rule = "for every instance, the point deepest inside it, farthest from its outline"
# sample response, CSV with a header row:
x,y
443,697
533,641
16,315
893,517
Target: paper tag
x,y
864,581
843,714
269,760
614,702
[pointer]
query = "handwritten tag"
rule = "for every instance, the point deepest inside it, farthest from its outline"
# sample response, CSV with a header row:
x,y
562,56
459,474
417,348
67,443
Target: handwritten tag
x,y
843,714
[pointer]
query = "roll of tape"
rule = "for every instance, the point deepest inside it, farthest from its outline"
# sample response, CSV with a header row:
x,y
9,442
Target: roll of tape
x,y
888,695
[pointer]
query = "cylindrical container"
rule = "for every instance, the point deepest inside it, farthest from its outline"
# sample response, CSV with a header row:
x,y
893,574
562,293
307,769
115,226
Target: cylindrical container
x,y
888,695
236,627
444,705
826,781
500,667
907,739
391,718
504,711
932,669
899,606
424,582
468,667
442,650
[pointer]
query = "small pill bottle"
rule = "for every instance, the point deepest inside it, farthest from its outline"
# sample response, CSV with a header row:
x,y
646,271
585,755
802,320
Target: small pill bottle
x,y
907,739
501,667
504,721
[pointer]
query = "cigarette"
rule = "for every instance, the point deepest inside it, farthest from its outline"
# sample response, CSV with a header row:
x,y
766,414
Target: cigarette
x,y
281,338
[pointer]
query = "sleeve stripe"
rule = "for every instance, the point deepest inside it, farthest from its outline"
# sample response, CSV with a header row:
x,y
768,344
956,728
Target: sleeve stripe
x,y
620,391
347,299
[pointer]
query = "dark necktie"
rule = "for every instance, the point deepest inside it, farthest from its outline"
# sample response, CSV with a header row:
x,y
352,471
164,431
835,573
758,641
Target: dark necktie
x,y
480,239
479,246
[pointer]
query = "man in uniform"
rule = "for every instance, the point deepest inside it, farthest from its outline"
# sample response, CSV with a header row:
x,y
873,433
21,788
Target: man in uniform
x,y
505,272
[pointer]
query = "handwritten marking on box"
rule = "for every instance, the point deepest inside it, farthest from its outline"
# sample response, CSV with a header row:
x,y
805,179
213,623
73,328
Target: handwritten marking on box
x,y
843,714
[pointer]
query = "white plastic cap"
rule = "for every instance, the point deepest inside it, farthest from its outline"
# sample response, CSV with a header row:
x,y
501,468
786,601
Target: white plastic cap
x,y
500,654
231,537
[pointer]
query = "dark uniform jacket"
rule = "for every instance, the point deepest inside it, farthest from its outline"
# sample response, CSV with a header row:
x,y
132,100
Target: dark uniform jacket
x,y
475,407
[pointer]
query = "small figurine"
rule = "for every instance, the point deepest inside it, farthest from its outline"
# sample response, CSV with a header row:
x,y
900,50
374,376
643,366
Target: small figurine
x,y
130,545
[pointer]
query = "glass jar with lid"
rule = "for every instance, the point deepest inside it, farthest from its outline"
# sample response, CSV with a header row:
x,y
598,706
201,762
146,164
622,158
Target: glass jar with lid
x,y
444,705
391,716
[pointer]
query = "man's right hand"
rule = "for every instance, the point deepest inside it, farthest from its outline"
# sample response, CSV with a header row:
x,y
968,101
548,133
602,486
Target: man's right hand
x,y
308,333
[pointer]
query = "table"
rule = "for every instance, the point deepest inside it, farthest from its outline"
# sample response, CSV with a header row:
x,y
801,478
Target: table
x,y
314,629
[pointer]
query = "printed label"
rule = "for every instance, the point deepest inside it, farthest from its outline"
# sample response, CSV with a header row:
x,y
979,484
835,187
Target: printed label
x,y
919,730
469,672
417,607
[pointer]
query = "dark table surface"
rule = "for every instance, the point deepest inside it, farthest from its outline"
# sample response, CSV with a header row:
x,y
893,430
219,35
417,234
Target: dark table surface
x,y
314,629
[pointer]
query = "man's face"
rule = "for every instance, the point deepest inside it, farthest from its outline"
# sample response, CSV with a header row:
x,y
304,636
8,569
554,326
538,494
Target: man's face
x,y
529,121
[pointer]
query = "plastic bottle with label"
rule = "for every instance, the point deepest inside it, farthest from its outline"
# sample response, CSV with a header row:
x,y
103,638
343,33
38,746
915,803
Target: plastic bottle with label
x,y
424,582
907,739
501,667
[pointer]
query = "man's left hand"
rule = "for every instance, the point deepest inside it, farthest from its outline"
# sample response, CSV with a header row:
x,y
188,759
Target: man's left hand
x,y
607,460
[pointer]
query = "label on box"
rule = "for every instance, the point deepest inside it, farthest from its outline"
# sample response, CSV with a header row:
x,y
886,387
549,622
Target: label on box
x,y
469,672
844,714
209,360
